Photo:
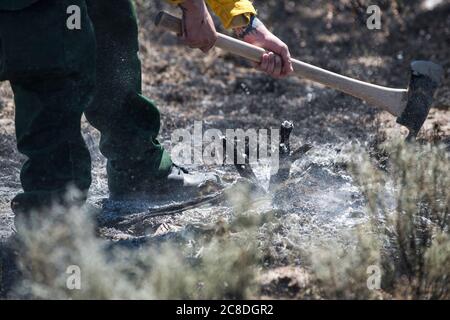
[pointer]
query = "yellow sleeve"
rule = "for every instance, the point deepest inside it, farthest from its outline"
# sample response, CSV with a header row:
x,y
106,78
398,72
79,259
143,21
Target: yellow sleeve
x,y
227,10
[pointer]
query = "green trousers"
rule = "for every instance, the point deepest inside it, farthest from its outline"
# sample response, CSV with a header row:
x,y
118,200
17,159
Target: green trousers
x,y
57,74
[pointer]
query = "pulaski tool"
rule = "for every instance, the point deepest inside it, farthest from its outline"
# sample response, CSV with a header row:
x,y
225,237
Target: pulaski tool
x,y
410,106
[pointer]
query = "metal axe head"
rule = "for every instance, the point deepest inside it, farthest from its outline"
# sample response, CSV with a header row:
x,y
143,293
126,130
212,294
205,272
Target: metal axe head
x,y
425,79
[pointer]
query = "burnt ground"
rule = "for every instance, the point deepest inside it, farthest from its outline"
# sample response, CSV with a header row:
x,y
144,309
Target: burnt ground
x,y
224,92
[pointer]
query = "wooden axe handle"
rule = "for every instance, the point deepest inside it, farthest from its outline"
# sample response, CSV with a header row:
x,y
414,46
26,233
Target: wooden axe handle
x,y
392,100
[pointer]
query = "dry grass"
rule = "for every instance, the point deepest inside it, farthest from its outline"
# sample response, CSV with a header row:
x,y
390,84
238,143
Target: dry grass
x,y
409,206
217,264
407,239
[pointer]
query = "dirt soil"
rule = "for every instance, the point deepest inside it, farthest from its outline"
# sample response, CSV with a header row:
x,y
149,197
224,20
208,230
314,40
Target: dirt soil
x,y
225,93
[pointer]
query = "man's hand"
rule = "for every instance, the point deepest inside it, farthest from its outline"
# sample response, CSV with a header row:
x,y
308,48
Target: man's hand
x,y
277,62
198,26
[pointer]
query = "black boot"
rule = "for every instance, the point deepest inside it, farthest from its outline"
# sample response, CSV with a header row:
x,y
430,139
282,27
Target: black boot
x,y
179,185
11,274
29,202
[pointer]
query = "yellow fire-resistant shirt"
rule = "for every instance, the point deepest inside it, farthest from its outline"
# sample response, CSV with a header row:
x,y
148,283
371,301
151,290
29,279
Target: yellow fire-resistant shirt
x,y
228,10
